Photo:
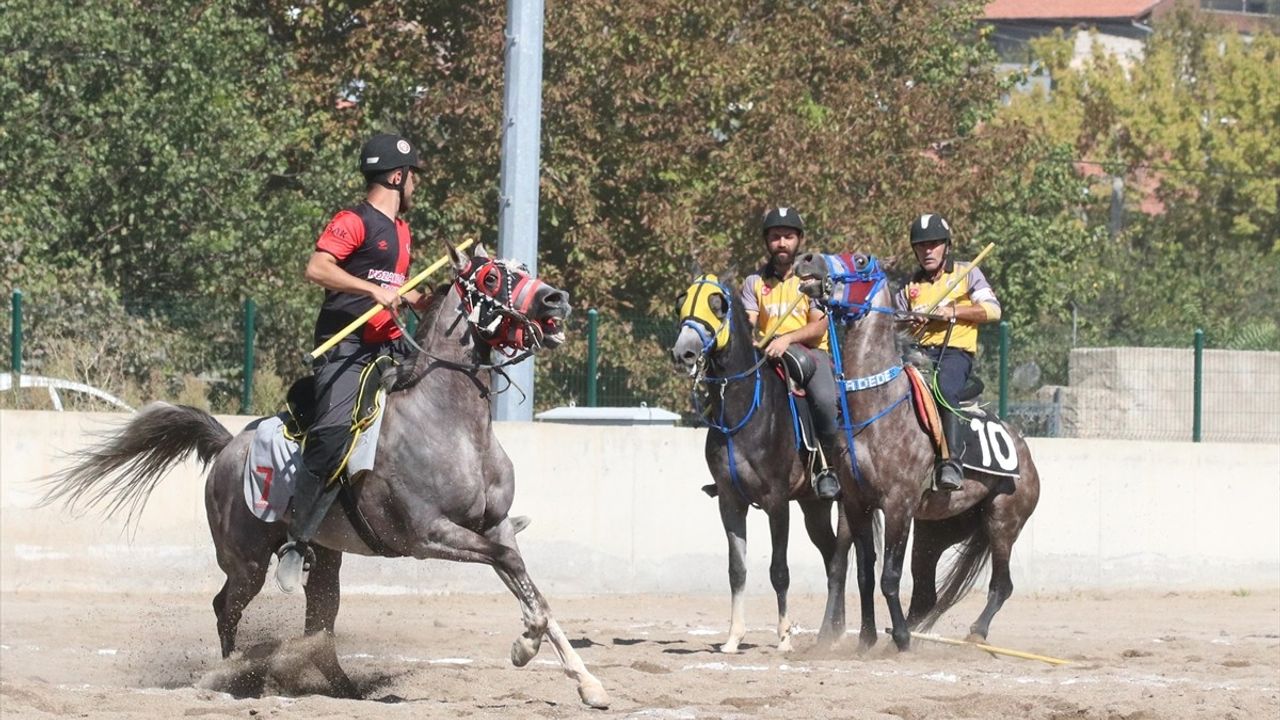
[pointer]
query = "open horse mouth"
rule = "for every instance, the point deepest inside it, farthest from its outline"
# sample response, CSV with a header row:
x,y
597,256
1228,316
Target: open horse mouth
x,y
809,269
553,335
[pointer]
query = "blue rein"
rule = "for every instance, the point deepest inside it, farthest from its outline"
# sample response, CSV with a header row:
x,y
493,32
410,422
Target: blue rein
x,y
708,337
843,311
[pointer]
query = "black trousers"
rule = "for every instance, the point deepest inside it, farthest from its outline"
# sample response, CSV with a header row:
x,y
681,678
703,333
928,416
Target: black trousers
x,y
954,367
337,389
821,393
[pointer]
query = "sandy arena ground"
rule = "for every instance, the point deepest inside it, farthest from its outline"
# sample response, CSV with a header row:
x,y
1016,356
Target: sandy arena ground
x,y
1134,655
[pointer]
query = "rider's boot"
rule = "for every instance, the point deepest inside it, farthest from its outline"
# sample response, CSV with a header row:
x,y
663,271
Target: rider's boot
x,y
311,502
826,484
950,476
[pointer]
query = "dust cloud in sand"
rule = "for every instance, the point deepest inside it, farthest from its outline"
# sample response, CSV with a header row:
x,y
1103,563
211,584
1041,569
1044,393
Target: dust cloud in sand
x,y
1134,655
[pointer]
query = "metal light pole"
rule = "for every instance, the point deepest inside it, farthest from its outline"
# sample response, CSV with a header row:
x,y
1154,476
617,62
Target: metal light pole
x,y
521,141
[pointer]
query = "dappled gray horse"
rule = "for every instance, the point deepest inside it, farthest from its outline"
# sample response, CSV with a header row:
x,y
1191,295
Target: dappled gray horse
x,y
893,454
440,487
751,452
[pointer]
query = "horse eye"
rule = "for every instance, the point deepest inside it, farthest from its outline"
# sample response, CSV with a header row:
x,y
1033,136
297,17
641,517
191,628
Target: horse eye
x,y
861,261
491,280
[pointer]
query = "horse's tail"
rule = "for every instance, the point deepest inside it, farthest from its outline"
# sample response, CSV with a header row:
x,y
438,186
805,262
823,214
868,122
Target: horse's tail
x,y
119,473
972,555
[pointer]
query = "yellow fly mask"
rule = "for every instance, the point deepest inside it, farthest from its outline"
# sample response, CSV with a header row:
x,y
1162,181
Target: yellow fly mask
x,y
705,308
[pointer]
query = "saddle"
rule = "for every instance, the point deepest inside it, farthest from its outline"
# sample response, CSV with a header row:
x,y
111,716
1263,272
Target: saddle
x,y
986,442
796,370
275,450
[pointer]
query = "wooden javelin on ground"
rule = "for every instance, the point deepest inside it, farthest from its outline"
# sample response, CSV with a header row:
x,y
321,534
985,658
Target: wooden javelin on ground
x,y
990,648
413,282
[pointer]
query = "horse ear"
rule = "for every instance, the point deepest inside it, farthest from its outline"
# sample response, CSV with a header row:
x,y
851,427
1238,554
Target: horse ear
x,y
482,251
457,258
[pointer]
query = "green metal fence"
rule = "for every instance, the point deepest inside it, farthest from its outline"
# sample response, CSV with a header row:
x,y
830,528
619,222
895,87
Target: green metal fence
x,y
235,356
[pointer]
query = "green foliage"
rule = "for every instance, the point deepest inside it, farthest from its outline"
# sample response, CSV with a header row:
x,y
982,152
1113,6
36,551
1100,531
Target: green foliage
x,y
163,161
155,164
1191,129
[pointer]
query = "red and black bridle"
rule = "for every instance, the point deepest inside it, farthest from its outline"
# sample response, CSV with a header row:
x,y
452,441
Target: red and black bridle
x,y
497,295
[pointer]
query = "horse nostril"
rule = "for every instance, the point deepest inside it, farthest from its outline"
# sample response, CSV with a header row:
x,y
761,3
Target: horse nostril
x,y
555,299
687,356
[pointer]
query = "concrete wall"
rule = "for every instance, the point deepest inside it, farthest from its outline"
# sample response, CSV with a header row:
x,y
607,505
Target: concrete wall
x,y
618,510
1147,393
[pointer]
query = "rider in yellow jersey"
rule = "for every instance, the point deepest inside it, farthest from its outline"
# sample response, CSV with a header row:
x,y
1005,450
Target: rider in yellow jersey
x,y
773,302
965,299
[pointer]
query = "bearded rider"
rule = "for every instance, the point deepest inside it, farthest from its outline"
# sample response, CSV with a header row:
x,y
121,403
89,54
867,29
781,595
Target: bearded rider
x,y
774,303
964,300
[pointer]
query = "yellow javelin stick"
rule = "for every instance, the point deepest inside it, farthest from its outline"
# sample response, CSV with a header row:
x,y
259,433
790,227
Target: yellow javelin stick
x,y
991,649
774,331
955,282
413,282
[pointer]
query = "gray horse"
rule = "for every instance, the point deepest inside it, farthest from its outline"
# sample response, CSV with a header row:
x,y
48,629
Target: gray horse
x,y
441,485
751,452
893,454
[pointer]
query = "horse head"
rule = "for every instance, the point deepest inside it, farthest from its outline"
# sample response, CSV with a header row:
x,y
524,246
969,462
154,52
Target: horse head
x,y
705,319
508,308
847,284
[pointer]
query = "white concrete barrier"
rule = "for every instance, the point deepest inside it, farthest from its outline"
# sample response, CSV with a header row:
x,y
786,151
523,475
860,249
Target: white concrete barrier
x,y
619,510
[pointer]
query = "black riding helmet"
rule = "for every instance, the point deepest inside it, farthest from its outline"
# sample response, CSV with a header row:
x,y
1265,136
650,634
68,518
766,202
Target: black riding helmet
x,y
782,217
385,152
930,227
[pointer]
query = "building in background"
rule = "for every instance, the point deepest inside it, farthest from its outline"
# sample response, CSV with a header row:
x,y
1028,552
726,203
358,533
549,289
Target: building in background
x,y
1118,26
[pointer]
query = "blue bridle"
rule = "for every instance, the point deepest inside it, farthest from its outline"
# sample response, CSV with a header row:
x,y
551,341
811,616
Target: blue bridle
x,y
708,335
866,271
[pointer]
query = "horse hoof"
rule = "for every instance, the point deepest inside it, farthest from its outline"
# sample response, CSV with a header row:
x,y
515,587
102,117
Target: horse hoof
x,y
976,638
729,648
867,641
593,695
522,651
784,645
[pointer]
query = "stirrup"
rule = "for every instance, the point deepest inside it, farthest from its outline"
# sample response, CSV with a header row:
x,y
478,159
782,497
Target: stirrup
x,y
942,473
295,562
826,485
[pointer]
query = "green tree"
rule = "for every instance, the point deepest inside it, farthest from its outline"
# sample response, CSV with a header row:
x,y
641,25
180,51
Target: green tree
x,y
1190,127
157,170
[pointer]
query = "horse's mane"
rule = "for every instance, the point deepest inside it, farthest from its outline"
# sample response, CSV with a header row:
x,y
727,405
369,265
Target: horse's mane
x,y
740,341
411,372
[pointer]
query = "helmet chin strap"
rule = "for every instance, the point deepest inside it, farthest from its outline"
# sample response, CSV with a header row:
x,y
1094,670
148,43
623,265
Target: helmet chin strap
x,y
398,187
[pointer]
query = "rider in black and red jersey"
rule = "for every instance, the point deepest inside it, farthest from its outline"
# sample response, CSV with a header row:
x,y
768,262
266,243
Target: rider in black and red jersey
x,y
360,259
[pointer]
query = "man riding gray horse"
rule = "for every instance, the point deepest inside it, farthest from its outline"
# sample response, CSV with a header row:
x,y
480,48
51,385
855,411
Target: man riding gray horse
x,y
360,259
961,294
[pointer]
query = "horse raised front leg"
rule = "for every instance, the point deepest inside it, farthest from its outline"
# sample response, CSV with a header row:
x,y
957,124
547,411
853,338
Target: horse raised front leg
x,y
538,620
449,541
733,515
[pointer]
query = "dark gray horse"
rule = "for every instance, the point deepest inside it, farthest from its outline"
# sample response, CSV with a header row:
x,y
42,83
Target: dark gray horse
x,y
750,426
894,455
441,485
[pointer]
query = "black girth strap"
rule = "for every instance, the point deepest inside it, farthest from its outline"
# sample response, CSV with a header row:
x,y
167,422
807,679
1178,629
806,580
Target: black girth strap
x,y
361,525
